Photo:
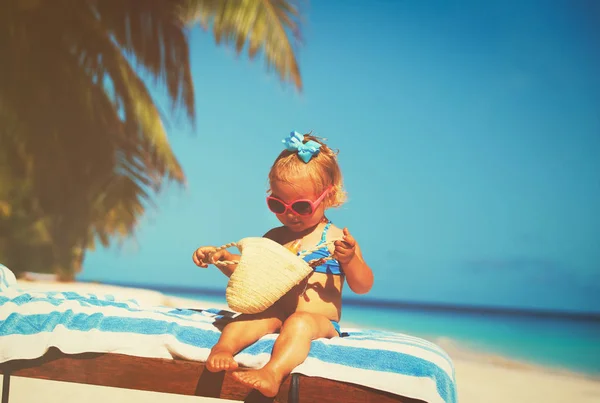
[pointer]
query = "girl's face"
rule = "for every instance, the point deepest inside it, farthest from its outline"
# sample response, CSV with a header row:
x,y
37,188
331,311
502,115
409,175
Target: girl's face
x,y
300,189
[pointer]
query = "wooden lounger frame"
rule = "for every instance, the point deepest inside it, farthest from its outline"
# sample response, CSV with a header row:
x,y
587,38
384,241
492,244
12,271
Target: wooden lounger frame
x,y
181,377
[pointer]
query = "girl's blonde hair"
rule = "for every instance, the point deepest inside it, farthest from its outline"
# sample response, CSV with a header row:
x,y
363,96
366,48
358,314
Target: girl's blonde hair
x,y
322,169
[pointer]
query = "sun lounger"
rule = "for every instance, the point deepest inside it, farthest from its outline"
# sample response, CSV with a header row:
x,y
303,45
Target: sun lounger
x,y
101,340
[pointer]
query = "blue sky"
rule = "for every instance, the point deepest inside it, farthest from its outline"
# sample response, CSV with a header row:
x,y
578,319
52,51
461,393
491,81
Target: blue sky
x,y
469,138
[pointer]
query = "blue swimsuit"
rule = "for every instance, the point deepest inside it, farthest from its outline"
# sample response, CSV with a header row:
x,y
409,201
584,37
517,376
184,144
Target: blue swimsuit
x,y
330,266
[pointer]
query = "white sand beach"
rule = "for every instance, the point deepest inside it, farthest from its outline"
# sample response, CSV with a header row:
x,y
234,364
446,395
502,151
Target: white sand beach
x,y
480,378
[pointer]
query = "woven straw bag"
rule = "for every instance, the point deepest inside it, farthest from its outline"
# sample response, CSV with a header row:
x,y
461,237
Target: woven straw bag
x,y
265,272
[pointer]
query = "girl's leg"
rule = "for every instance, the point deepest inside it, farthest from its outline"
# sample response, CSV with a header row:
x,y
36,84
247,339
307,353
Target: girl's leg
x,y
290,350
240,333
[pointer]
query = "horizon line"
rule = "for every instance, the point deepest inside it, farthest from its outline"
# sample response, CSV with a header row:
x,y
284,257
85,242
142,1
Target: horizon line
x,y
390,303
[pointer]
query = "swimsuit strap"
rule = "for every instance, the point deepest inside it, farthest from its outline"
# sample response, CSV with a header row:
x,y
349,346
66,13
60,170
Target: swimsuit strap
x,y
323,237
324,234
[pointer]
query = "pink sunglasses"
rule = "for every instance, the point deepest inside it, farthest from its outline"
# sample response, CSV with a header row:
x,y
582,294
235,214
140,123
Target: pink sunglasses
x,y
303,207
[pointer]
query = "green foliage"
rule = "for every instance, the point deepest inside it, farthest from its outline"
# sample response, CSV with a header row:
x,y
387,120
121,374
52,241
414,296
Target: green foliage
x,y
83,146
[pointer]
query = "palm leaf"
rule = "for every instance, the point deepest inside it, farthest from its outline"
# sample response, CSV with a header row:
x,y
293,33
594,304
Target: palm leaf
x,y
82,142
152,34
265,25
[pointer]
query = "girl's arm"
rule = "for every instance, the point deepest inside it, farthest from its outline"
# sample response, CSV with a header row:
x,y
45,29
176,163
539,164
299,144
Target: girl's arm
x,y
358,273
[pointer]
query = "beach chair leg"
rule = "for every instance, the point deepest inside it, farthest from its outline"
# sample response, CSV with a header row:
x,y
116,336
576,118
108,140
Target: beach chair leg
x,y
209,384
294,392
256,397
5,387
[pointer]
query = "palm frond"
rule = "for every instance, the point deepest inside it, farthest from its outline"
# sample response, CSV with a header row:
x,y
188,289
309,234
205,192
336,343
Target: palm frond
x,y
264,25
153,34
83,146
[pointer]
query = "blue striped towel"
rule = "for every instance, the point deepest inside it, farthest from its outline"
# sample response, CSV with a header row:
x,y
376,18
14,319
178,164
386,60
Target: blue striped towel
x,y
33,321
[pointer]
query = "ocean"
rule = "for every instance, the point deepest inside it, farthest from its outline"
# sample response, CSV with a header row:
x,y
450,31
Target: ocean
x,y
556,343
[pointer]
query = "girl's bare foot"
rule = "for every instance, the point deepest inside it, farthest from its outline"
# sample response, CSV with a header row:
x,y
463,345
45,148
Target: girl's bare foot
x,y
220,360
263,380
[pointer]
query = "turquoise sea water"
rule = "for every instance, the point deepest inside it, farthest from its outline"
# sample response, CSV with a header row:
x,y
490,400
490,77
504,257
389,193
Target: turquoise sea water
x,y
556,343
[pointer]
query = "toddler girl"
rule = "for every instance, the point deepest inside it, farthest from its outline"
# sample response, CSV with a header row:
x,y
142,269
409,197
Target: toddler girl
x,y
305,181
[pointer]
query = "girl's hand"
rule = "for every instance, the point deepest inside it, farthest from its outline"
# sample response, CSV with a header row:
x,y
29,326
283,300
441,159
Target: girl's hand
x,y
345,249
205,255
202,254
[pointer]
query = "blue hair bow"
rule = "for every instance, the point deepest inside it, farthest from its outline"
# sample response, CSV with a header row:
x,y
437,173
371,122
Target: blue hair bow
x,y
305,150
